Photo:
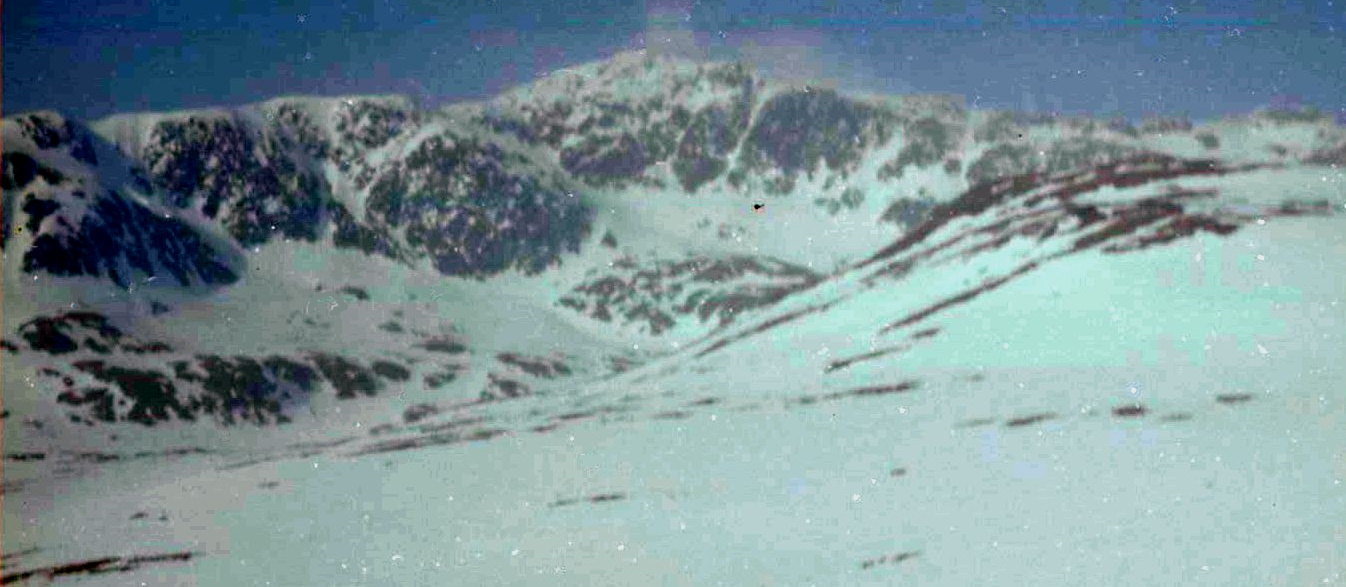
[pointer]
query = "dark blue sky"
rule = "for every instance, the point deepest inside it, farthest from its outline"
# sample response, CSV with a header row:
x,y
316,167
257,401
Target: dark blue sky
x,y
1199,58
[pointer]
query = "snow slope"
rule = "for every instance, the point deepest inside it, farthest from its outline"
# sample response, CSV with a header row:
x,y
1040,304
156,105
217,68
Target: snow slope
x,y
1230,476
964,347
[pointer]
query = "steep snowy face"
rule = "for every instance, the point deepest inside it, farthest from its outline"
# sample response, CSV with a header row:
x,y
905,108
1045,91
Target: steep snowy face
x,y
371,173
267,171
473,208
614,123
74,207
358,129
246,180
798,132
642,120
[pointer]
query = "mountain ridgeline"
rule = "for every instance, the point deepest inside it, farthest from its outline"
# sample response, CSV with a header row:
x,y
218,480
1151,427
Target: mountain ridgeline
x,y
483,188
521,183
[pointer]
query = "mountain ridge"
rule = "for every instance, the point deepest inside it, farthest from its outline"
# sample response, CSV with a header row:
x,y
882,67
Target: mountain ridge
x,y
276,148
463,191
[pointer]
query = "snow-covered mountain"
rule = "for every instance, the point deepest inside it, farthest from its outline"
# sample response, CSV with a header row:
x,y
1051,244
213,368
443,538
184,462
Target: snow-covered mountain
x,y
655,321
